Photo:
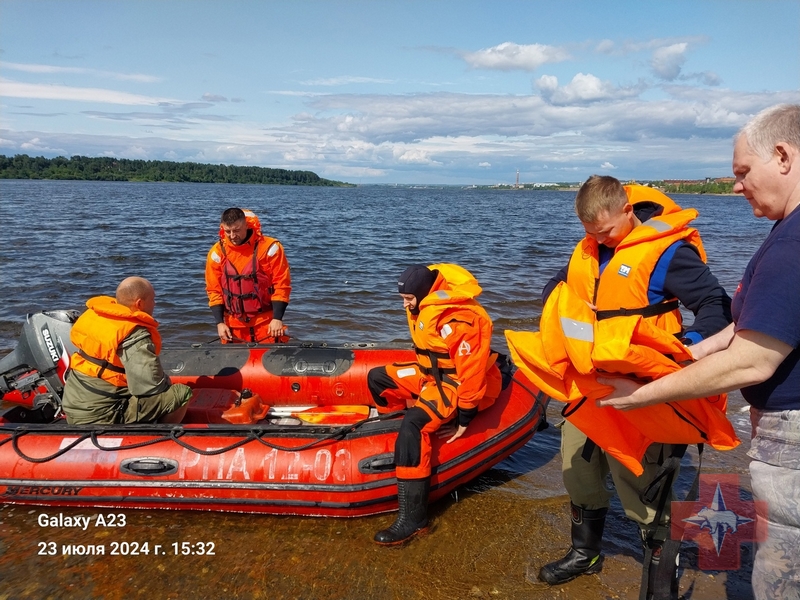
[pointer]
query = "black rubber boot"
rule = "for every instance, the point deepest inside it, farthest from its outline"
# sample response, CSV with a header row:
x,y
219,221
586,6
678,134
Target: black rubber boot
x,y
584,556
412,497
660,570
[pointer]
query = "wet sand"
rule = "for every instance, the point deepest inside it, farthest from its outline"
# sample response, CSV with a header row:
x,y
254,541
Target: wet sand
x,y
482,543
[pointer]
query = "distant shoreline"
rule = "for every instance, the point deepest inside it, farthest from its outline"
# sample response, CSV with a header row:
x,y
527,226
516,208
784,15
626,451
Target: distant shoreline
x,y
83,168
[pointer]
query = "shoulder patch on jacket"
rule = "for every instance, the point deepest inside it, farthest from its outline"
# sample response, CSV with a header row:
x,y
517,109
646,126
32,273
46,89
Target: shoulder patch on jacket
x,y
216,257
273,249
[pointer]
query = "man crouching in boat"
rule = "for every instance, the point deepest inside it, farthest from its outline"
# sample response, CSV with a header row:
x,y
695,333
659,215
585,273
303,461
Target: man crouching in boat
x,y
455,376
247,281
116,375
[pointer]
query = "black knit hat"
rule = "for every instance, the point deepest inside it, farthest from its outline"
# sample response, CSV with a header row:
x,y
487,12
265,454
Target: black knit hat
x,y
417,280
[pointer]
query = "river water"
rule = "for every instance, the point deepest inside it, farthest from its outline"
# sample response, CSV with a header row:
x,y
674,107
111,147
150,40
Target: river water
x,y
63,242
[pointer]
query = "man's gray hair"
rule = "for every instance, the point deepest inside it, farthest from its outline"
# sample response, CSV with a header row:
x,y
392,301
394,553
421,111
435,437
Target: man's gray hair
x,y
771,126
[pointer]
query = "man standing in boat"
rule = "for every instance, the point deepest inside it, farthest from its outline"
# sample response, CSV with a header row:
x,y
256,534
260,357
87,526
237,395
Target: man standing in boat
x,y
615,308
455,376
116,375
247,281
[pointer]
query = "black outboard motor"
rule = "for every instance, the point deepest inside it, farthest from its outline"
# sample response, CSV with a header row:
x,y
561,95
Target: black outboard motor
x,y
33,374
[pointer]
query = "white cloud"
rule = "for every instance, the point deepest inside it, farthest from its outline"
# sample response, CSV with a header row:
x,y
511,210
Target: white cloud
x,y
667,61
213,98
627,47
608,166
509,56
14,89
484,165
414,156
584,88
36,145
50,69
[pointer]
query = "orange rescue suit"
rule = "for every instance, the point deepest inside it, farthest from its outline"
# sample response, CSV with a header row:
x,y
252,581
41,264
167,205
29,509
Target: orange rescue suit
x,y
626,335
261,258
452,335
98,333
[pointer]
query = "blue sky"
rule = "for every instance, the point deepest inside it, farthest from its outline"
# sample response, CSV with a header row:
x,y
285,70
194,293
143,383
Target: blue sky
x,y
452,92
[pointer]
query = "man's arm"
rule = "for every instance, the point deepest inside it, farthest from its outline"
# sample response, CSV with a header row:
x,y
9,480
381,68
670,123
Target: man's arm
x,y
143,368
213,276
275,262
690,280
469,352
752,357
551,285
214,290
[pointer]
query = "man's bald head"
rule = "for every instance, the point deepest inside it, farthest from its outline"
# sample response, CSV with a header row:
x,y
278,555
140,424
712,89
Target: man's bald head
x,y
137,294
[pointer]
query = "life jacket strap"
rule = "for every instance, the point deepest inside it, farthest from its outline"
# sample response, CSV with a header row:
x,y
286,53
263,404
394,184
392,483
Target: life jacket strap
x,y
646,311
431,353
103,364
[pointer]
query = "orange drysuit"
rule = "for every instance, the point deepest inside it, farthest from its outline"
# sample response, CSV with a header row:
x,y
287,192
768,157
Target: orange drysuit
x,y
455,369
246,279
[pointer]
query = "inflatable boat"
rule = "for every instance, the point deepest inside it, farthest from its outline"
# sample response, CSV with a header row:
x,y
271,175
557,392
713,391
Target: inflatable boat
x,y
285,429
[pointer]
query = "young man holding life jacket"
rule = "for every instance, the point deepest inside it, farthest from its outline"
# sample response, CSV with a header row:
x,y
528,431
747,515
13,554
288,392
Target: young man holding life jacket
x,y
454,377
760,352
116,375
615,309
247,281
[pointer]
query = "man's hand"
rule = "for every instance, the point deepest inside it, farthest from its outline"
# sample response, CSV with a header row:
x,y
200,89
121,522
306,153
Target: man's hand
x,y
459,432
224,332
276,328
622,396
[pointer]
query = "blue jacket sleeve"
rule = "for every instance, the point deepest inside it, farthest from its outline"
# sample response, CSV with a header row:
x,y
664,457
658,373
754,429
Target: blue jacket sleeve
x,y
551,285
691,281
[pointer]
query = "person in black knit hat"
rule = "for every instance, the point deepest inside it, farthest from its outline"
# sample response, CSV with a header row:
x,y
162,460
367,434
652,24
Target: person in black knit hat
x,y
455,376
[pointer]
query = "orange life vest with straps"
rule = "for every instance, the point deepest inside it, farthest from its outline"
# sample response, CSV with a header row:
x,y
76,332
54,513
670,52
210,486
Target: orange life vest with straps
x,y
98,333
453,299
627,335
247,291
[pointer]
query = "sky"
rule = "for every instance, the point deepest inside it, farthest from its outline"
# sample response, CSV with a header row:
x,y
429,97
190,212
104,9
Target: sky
x,y
429,92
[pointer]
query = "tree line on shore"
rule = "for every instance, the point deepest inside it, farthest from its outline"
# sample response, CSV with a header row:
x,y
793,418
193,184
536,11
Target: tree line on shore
x,y
701,187
22,166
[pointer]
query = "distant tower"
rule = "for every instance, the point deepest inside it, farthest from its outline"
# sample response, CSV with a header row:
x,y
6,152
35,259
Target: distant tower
x,y
517,184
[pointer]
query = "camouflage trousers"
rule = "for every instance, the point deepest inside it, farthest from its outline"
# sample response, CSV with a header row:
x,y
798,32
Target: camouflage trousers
x,y
775,479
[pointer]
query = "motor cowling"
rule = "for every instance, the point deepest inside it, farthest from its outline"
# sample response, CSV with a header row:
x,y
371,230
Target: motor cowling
x,y
33,373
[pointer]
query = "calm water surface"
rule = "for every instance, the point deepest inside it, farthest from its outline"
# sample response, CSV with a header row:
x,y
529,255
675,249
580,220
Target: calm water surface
x,y
63,242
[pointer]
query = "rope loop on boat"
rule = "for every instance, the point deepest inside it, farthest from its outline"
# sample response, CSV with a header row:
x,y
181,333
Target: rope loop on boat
x,y
336,434
18,433
178,432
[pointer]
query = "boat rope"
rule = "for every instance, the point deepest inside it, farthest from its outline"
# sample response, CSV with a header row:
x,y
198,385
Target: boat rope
x,y
177,432
336,434
19,433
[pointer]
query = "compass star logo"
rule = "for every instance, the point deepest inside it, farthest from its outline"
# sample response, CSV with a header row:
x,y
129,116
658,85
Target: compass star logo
x,y
718,522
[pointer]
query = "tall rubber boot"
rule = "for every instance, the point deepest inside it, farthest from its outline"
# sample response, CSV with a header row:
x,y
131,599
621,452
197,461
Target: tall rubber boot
x,y
660,570
412,496
584,557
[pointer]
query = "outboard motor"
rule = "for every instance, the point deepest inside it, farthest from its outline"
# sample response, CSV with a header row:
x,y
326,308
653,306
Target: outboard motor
x,y
33,374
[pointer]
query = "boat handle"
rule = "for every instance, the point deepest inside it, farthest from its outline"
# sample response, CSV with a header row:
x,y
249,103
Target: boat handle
x,y
380,463
149,466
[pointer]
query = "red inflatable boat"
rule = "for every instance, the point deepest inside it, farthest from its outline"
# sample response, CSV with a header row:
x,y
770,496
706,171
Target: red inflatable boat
x,y
277,429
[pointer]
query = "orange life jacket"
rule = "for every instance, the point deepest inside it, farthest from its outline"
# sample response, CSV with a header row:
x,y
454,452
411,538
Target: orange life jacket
x,y
626,336
452,298
98,333
247,292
